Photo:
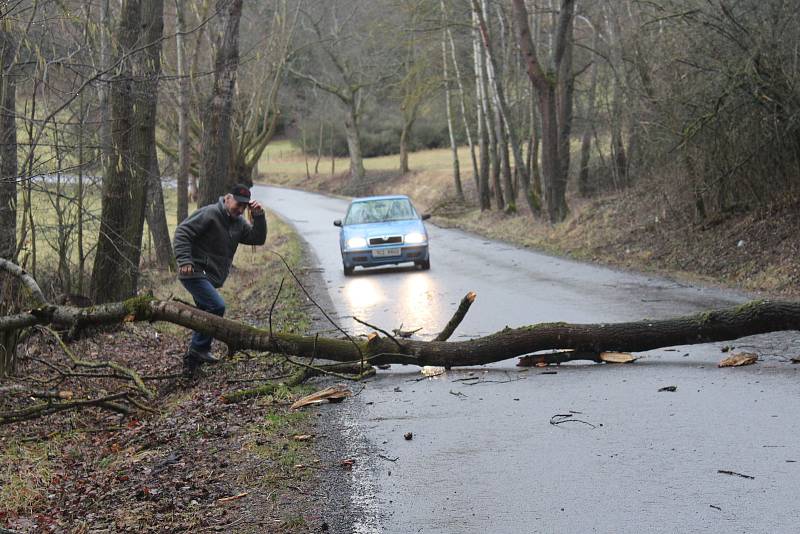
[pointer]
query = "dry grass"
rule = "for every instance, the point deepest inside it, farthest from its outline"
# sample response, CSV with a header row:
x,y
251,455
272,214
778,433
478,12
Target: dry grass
x,y
25,472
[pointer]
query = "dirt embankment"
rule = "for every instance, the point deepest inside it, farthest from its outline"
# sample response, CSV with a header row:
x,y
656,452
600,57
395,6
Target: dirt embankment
x,y
755,251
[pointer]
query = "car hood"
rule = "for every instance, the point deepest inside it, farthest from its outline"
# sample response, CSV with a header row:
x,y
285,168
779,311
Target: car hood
x,y
383,229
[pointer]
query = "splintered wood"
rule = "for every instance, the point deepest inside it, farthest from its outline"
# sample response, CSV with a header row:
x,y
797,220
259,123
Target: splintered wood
x,y
739,359
329,394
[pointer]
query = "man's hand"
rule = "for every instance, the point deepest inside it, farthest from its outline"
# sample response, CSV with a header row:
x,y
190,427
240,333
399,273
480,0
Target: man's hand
x,y
256,208
187,269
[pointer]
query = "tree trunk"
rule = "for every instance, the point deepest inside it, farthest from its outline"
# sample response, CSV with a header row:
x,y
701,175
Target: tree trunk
x,y
484,195
157,217
357,172
133,113
183,115
565,89
103,88
404,133
8,192
8,144
536,192
584,188
618,157
216,175
319,147
491,132
450,128
461,97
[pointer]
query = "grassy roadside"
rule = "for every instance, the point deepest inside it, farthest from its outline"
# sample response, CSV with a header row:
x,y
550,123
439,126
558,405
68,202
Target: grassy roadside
x,y
195,464
632,229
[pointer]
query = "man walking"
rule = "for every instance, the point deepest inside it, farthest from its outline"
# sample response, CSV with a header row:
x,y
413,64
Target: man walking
x,y
205,244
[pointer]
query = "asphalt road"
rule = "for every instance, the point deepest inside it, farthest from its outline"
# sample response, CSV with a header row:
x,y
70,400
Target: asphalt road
x,y
485,454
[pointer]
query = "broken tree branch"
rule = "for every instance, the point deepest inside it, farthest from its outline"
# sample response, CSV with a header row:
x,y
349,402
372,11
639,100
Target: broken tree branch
x,y
755,317
458,316
46,408
26,279
123,371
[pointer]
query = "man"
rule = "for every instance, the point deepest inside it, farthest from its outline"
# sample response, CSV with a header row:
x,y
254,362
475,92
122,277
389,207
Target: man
x,y
205,244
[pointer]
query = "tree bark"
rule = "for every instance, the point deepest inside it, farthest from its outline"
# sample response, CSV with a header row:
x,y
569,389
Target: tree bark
x,y
216,145
351,130
157,216
408,123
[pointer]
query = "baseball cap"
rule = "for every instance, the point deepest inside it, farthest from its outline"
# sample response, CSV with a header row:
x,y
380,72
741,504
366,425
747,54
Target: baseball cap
x,y
240,193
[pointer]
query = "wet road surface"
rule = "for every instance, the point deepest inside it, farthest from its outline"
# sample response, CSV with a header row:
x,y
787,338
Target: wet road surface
x,y
486,457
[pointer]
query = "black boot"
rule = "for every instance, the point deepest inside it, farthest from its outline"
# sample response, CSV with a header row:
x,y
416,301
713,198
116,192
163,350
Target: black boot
x,y
191,365
203,356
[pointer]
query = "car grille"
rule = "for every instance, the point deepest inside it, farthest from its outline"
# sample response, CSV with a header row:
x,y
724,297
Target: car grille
x,y
386,240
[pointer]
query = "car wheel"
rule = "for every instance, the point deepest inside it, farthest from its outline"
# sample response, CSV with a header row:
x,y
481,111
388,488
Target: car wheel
x,y
424,265
347,270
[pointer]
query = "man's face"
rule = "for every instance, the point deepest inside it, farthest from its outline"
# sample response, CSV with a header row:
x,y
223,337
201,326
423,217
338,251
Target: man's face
x,y
235,209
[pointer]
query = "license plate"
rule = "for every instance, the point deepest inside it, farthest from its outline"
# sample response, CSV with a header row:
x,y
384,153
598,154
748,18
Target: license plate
x,y
383,252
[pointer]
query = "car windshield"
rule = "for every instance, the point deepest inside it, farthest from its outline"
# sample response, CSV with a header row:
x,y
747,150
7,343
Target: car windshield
x,y
375,211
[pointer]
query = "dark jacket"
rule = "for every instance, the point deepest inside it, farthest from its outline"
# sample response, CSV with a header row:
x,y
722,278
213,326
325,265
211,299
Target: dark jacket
x,y
209,237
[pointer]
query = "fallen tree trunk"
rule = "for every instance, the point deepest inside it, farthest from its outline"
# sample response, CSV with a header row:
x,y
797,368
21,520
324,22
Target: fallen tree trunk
x,y
754,317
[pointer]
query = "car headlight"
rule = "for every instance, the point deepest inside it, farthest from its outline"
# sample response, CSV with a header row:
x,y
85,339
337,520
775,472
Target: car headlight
x,y
414,238
356,242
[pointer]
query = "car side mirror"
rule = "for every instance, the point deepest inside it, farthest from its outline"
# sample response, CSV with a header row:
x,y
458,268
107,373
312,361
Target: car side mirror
x,y
337,222
425,216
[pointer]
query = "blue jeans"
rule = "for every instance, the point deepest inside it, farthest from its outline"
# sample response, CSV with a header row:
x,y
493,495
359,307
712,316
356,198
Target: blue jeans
x,y
207,299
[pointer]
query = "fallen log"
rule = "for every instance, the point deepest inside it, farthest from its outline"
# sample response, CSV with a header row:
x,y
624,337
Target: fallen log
x,y
756,317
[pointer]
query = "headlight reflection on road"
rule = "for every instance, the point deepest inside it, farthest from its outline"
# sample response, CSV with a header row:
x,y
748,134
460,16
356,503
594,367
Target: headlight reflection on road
x,y
417,306
362,293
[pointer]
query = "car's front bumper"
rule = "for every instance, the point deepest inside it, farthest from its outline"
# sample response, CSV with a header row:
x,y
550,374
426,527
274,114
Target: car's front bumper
x,y
367,257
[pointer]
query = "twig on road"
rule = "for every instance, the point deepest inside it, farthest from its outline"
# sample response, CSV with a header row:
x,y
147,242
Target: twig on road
x,y
560,418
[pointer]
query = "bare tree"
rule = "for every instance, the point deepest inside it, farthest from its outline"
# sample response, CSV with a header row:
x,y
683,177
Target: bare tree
x,y
531,196
256,110
555,181
417,82
346,57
